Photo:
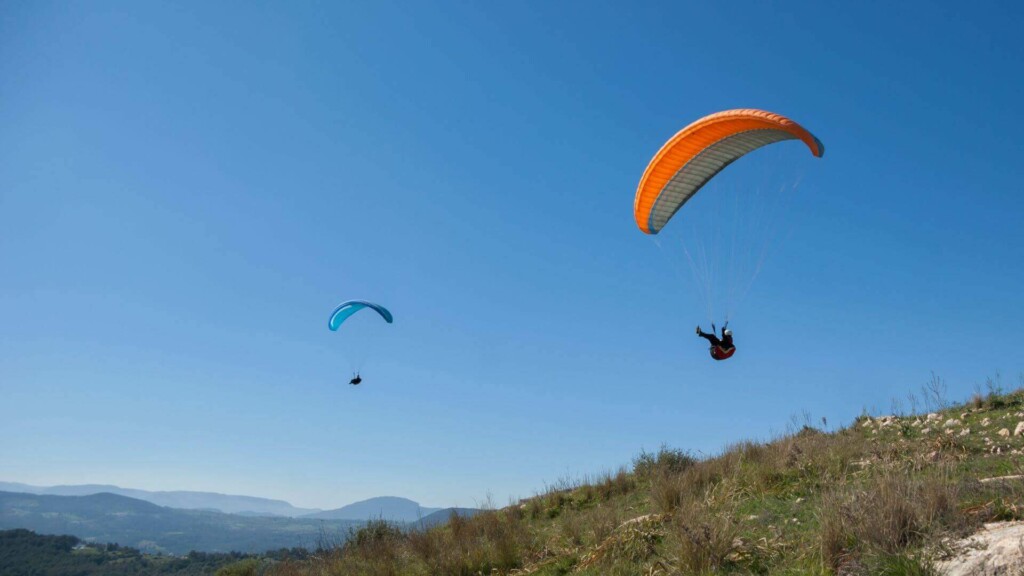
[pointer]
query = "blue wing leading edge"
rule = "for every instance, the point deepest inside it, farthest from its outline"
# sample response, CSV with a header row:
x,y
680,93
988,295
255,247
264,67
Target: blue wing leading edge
x,y
346,309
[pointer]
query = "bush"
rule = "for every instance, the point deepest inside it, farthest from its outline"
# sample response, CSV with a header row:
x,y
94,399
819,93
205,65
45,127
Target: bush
x,y
247,567
374,534
666,460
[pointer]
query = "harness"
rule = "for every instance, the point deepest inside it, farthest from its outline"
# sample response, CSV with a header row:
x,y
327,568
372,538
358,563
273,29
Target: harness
x,y
721,353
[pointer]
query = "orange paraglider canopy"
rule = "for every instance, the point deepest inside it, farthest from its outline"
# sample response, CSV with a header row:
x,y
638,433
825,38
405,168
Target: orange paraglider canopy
x,y
700,151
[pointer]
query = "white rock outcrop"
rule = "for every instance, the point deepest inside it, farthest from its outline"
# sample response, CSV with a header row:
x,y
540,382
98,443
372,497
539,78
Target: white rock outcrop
x,y
994,551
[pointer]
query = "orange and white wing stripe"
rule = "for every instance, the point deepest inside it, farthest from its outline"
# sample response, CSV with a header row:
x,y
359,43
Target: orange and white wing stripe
x,y
700,151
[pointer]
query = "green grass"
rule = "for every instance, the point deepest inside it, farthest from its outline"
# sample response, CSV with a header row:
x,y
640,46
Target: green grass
x,y
876,497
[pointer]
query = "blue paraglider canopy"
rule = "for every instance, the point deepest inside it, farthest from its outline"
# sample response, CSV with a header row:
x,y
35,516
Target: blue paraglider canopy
x,y
346,309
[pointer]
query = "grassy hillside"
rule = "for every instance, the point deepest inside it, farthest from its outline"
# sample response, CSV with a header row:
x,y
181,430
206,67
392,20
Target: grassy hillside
x,y
877,497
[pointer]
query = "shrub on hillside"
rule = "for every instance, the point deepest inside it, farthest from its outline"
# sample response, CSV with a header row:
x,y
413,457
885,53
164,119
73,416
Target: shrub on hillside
x,y
665,460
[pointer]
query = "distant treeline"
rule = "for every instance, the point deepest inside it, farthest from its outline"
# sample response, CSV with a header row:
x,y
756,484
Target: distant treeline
x,y
25,553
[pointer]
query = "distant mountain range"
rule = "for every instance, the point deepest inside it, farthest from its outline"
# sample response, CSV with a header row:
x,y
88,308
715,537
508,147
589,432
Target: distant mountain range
x,y
245,505
384,507
131,522
198,521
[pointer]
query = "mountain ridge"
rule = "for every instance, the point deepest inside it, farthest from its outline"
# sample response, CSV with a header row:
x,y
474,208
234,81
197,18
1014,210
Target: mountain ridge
x,y
108,517
386,507
394,508
150,527
181,499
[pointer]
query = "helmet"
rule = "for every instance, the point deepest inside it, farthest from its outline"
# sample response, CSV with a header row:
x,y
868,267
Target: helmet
x,y
727,332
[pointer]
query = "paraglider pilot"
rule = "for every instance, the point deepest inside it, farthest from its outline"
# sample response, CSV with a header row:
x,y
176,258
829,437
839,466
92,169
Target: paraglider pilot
x,y
355,381
721,348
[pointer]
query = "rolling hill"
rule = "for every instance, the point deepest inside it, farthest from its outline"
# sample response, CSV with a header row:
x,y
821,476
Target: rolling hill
x,y
390,508
131,522
187,500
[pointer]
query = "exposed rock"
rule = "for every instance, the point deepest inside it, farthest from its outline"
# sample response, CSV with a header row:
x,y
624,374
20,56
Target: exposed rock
x,y
932,416
965,431
1002,479
1004,432
925,430
1019,429
643,519
950,423
994,551
986,421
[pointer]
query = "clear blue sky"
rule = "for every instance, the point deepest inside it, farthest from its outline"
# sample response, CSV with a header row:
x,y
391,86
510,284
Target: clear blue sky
x,y
188,189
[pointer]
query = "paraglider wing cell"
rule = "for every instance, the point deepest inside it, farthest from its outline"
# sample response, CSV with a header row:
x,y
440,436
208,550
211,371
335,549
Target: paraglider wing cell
x,y
346,309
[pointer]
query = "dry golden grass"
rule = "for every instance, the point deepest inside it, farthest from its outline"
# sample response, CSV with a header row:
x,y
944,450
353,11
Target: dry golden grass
x,y
887,513
700,538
